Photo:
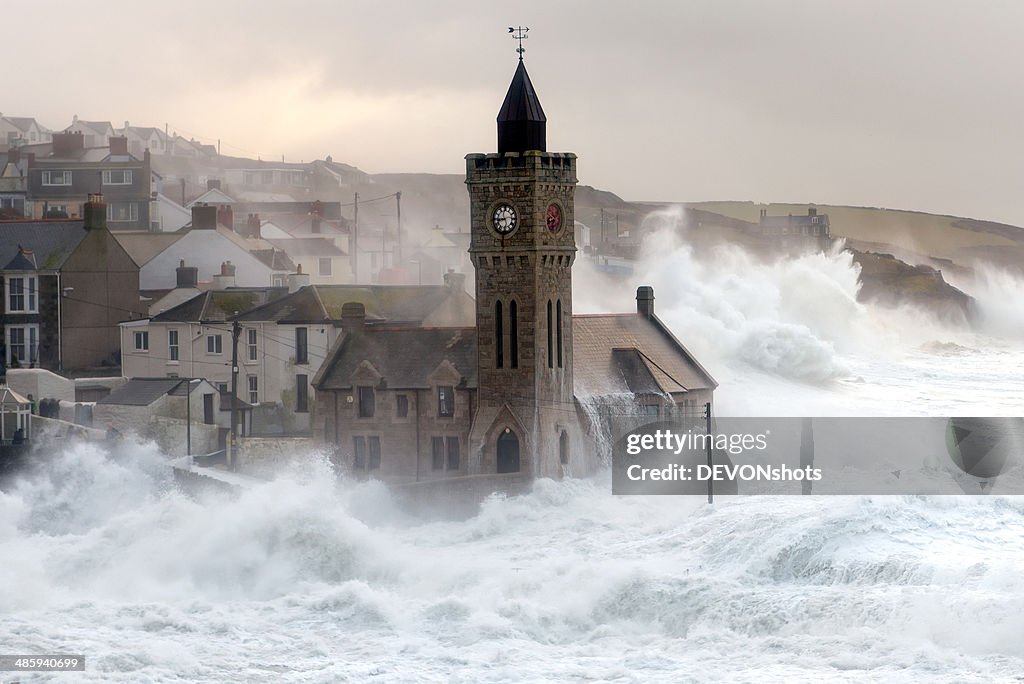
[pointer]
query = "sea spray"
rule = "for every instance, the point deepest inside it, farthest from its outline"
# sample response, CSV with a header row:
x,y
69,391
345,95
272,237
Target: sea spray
x,y
299,576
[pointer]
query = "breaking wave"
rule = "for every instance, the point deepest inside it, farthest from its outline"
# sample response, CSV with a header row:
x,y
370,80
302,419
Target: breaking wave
x,y
299,579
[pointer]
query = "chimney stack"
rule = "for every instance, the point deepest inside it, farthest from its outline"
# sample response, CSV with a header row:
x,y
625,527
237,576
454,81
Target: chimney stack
x,y
65,144
226,277
297,280
204,217
455,281
225,216
353,318
645,301
812,211
213,184
252,228
188,276
95,212
118,145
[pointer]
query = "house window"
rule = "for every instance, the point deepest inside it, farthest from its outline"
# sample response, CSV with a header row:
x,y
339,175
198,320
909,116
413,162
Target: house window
x,y
250,339
401,406
21,294
172,345
117,177
123,211
366,402
222,387
453,453
437,452
499,348
366,453
446,401
142,340
254,389
302,345
56,178
214,344
302,394
326,264
22,345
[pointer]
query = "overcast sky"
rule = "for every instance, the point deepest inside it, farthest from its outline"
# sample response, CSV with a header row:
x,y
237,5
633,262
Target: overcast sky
x,y
915,104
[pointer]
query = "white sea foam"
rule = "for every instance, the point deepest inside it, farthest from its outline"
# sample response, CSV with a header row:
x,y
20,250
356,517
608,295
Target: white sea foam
x,y
295,581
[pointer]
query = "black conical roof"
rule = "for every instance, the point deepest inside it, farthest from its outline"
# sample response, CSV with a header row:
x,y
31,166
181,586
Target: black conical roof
x,y
521,122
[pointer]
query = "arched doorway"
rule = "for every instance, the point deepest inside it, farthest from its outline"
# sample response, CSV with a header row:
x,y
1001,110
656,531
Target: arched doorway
x,y
508,452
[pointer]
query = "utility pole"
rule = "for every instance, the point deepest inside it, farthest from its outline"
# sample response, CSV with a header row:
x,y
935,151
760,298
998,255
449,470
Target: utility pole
x,y
188,421
602,228
711,493
398,206
236,330
355,242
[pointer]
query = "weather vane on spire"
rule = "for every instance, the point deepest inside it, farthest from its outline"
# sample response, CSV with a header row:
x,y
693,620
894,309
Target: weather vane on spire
x,y
519,33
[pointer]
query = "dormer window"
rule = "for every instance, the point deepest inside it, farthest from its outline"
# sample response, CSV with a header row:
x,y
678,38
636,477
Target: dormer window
x,y
56,178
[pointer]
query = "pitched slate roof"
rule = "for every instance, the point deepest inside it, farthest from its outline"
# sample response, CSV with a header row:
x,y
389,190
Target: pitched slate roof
x,y
396,304
613,353
52,241
307,246
405,357
22,261
144,245
141,391
220,305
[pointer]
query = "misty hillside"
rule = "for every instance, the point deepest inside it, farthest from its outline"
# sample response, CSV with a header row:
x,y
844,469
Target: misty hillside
x,y
429,199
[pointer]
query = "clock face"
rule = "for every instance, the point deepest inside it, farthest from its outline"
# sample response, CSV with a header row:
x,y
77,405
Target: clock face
x,y
505,219
554,217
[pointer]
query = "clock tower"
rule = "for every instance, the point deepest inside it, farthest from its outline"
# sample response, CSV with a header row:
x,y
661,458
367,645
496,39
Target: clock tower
x,y
522,247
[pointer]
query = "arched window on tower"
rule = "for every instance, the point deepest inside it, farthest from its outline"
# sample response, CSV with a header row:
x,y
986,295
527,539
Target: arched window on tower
x,y
513,334
551,356
499,349
563,448
558,328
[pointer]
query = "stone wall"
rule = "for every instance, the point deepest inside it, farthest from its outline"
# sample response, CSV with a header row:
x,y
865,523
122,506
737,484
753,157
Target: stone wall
x,y
265,456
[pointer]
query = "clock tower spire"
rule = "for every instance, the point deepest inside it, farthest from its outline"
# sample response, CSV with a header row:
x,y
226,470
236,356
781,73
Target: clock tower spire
x,y
522,245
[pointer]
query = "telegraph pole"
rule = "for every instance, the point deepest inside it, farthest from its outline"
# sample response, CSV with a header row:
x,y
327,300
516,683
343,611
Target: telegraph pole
x,y
355,242
236,330
398,206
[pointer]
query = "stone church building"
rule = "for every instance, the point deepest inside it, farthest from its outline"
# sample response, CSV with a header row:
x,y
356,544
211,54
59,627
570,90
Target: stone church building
x,y
527,389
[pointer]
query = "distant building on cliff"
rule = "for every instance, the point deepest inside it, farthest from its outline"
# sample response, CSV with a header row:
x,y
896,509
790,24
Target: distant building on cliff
x,y
812,229
525,389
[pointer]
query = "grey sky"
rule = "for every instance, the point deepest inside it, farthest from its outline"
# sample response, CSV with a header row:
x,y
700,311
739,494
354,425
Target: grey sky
x,y
913,104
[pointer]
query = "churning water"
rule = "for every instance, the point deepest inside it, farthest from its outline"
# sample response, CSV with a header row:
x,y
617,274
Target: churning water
x,y
301,581
296,582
